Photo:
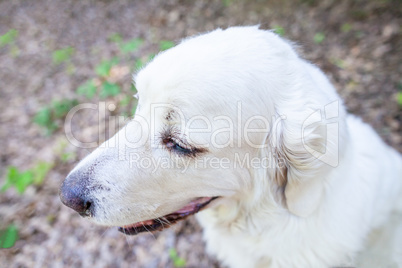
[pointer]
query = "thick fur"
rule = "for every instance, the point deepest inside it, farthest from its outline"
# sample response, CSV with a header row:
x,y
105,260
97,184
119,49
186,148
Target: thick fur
x,y
330,184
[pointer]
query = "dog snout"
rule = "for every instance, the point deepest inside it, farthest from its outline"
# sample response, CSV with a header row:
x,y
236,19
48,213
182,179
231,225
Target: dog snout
x,y
73,193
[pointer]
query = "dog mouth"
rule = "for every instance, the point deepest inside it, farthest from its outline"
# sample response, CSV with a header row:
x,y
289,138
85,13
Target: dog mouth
x,y
168,220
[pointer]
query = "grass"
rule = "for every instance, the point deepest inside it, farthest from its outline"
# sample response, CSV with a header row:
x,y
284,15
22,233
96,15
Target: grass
x,y
62,55
20,180
279,30
109,89
319,38
399,98
103,68
105,85
8,236
64,155
131,46
399,95
50,117
102,85
87,89
346,27
165,45
177,261
8,38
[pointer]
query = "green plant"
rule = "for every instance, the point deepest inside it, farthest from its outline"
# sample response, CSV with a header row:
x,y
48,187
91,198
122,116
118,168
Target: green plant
x,y
338,62
139,63
177,261
131,46
226,3
8,236
115,37
44,119
165,45
103,69
39,171
346,27
108,74
109,89
126,47
62,55
319,38
22,179
62,152
279,30
8,38
125,101
399,98
88,89
50,117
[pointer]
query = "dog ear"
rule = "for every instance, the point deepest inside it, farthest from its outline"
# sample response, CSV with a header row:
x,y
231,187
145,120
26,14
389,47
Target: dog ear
x,y
307,149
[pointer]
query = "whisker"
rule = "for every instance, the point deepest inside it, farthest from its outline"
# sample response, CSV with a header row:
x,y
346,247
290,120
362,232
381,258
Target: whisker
x,y
166,221
148,231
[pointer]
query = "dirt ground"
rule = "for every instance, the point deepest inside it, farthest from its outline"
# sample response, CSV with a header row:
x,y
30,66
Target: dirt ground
x,y
361,53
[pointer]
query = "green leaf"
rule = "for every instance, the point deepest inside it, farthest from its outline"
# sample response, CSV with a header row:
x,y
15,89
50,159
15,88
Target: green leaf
x,y
18,179
65,157
279,30
11,178
151,57
62,107
109,89
131,45
134,109
62,55
24,180
51,127
319,38
8,37
40,171
88,89
338,62
138,64
346,27
9,236
103,69
177,261
399,98
133,88
165,45
226,3
12,174
43,117
116,37
125,101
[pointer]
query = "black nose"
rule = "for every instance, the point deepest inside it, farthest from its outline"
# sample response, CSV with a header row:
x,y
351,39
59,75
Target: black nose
x,y
73,194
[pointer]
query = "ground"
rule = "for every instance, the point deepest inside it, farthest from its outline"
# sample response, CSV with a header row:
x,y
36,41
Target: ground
x,y
358,44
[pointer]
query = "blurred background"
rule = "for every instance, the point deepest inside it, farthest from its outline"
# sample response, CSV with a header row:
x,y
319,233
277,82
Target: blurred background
x,y
57,54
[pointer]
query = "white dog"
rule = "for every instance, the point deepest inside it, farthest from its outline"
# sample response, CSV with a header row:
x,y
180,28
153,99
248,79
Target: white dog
x,y
236,122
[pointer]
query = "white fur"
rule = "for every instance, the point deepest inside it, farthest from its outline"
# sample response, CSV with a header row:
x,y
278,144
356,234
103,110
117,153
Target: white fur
x,y
338,183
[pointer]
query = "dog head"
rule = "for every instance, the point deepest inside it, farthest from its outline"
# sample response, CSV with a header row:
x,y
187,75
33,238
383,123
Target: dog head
x,y
220,115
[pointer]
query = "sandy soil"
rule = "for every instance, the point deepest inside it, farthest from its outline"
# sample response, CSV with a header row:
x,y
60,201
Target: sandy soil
x,y
362,59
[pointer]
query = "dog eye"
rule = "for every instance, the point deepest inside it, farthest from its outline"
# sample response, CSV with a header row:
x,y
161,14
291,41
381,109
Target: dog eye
x,y
175,146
